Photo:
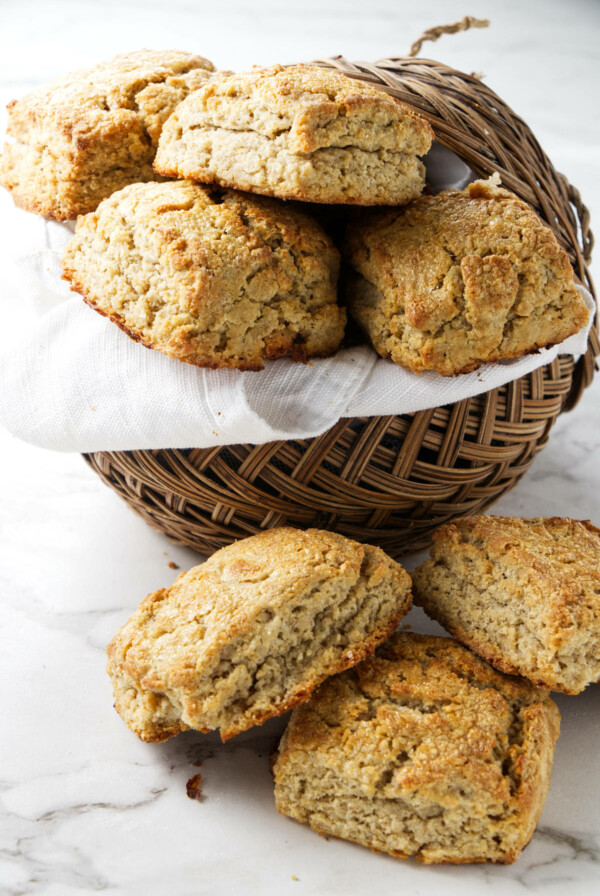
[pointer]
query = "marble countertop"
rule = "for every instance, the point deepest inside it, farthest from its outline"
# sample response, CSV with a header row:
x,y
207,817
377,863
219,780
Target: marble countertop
x,y
85,806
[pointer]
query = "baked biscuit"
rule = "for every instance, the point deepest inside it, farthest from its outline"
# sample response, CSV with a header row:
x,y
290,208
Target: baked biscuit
x,y
423,750
251,632
213,279
523,593
459,279
298,133
82,138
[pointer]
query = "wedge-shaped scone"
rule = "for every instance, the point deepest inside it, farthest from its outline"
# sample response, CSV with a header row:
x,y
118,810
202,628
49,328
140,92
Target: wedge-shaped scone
x,y
299,133
459,279
214,279
251,632
523,593
82,138
423,750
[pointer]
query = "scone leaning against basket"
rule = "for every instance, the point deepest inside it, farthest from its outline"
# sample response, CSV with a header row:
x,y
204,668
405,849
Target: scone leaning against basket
x,y
522,593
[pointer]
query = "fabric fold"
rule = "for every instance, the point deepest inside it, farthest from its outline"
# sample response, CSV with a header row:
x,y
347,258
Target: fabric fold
x,y
74,382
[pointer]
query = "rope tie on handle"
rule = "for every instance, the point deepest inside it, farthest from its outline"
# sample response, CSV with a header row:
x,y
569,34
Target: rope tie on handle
x,y
434,34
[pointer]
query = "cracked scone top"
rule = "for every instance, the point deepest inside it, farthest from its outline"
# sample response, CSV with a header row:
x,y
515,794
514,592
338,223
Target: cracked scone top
x,y
251,632
460,279
298,133
216,279
422,750
89,134
522,593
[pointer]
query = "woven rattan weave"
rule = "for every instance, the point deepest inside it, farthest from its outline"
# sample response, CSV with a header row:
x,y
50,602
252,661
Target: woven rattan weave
x,y
388,480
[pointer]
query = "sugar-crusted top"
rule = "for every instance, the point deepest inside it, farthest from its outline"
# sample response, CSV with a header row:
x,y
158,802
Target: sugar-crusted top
x,y
556,562
141,83
238,590
480,254
318,108
426,718
213,278
211,245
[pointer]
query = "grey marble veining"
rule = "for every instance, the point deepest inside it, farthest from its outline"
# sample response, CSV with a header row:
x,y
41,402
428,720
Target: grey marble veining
x,y
84,806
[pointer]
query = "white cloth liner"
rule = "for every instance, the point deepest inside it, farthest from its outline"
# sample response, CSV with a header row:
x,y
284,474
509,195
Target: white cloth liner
x,y
75,382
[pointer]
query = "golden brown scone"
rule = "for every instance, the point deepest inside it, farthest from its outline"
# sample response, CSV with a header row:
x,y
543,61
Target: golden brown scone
x,y
423,750
214,279
87,135
299,133
251,632
522,593
459,279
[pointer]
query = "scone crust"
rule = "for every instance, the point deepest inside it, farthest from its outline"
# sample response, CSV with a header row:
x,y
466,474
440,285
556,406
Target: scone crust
x,y
298,133
250,633
210,278
422,750
460,279
522,593
80,139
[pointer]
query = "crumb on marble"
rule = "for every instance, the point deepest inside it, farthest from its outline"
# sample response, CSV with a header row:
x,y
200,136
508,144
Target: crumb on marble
x,y
193,787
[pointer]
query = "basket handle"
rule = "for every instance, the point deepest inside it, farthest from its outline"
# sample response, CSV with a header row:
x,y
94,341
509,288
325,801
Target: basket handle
x,y
434,34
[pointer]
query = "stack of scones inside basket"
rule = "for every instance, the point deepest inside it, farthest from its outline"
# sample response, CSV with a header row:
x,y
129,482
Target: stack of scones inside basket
x,y
200,234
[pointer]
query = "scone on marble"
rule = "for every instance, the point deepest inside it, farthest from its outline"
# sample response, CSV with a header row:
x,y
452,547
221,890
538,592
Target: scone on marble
x,y
423,750
459,279
523,593
89,134
250,633
298,133
210,278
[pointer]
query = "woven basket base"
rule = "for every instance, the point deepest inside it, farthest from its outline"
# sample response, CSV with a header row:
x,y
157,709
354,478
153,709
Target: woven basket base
x,y
385,480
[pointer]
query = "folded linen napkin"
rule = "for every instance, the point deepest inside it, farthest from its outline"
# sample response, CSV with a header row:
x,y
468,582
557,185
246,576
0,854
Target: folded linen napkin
x,y
72,381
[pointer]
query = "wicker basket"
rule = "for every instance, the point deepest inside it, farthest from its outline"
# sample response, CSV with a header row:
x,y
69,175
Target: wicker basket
x,y
387,480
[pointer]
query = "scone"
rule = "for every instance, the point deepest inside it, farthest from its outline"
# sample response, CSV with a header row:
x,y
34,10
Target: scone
x,y
214,279
251,632
459,279
523,593
423,750
298,133
89,134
